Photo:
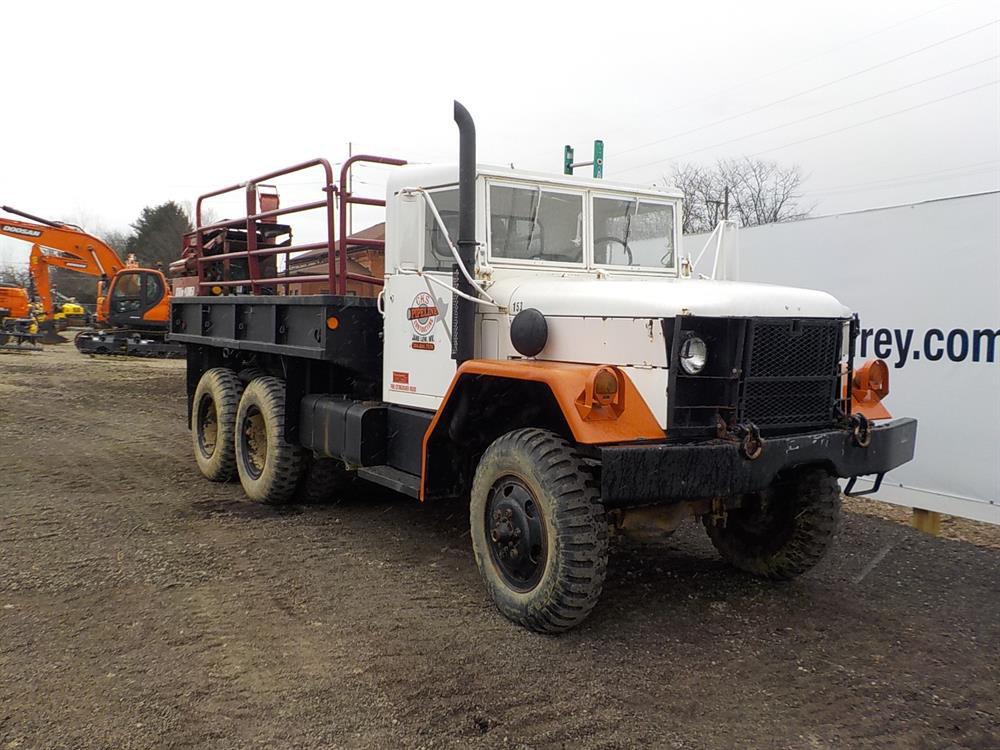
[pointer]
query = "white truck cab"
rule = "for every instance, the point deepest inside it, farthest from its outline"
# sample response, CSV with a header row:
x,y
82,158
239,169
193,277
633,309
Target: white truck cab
x,y
599,260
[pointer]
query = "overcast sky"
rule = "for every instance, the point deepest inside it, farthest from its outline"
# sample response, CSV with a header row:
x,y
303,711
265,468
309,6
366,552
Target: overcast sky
x,y
110,107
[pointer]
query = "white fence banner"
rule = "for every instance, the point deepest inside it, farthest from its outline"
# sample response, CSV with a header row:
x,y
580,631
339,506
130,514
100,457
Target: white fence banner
x,y
925,279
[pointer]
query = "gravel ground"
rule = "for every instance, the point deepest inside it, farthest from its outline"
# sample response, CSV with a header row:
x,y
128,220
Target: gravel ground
x,y
142,607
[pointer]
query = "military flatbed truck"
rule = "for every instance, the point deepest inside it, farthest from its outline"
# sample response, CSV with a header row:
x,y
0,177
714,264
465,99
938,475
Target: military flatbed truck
x,y
536,348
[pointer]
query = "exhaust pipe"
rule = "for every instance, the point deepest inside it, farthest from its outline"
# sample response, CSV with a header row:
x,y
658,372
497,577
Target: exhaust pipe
x,y
463,317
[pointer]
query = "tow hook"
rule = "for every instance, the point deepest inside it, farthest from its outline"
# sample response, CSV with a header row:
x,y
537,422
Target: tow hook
x,y
751,443
861,429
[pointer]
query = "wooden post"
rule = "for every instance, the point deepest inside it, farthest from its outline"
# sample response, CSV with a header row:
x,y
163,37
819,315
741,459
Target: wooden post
x,y
927,521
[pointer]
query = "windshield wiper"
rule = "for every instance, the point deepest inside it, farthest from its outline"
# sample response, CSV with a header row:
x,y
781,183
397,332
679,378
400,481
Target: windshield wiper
x,y
628,221
534,218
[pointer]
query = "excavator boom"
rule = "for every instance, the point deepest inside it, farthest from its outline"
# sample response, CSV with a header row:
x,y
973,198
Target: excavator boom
x,y
56,245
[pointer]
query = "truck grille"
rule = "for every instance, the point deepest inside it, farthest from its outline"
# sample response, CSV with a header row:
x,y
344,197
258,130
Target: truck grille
x,y
781,374
792,373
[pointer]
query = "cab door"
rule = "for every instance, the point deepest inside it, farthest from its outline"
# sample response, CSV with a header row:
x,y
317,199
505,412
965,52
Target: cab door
x,y
136,300
418,366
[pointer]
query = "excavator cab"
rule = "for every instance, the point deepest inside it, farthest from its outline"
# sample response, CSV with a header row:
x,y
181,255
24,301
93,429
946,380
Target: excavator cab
x,y
138,299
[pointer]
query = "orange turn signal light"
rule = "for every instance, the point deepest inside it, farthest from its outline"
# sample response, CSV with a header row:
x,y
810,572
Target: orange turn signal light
x,y
332,323
603,396
872,377
605,386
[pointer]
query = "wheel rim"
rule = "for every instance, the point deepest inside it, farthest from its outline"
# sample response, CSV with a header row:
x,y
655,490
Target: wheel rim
x,y
253,446
515,533
208,426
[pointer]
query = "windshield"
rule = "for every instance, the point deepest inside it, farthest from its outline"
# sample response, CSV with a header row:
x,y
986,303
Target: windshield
x,y
633,232
532,223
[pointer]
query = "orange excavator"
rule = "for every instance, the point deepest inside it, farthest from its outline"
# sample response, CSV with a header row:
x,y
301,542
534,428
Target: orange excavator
x,y
133,304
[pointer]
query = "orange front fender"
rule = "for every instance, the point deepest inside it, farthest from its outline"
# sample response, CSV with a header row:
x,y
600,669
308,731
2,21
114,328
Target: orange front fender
x,y
625,418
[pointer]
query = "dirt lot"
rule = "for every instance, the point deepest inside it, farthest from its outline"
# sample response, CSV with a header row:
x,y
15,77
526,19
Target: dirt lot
x,y
141,606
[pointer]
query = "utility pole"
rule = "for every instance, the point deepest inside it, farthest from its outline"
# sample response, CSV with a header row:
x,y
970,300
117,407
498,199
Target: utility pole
x,y
716,203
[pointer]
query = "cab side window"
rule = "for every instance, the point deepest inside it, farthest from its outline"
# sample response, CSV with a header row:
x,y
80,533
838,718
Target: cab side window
x,y
437,255
153,288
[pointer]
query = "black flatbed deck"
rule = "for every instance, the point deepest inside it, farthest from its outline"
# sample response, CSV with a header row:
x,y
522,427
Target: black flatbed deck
x,y
341,329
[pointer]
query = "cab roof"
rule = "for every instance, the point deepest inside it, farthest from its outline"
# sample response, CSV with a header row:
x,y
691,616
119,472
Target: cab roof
x,y
434,175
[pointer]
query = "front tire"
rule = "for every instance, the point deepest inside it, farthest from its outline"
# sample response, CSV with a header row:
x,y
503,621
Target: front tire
x,y
539,530
213,417
269,467
783,531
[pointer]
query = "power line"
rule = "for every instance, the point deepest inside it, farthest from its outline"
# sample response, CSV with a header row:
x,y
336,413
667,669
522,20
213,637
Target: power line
x,y
813,116
809,59
889,182
811,90
880,117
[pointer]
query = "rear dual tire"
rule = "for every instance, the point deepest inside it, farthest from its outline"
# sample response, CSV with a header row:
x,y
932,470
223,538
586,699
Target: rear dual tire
x,y
238,430
213,416
324,480
269,466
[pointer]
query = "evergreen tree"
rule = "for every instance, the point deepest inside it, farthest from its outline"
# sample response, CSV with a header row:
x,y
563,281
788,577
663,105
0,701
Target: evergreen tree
x,y
158,233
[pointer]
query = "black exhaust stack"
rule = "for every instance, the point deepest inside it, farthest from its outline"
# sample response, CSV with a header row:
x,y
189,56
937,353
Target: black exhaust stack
x,y
463,318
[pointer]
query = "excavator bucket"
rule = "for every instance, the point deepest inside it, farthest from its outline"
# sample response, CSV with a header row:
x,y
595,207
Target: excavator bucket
x,y
48,333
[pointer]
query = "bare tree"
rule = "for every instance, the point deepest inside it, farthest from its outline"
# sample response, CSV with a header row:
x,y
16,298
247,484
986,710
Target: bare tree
x,y
117,240
18,275
759,192
699,186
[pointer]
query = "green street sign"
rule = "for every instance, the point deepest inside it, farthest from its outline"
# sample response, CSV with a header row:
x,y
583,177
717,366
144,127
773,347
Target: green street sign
x,y
568,160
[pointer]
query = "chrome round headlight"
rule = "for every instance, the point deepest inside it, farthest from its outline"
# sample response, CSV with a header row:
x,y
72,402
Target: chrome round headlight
x,y
693,355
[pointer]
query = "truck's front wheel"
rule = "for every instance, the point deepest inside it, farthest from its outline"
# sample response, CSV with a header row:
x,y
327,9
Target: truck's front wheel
x,y
269,466
539,530
783,531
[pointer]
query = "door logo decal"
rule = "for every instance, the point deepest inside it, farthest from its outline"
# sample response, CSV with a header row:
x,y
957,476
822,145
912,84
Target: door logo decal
x,y
422,314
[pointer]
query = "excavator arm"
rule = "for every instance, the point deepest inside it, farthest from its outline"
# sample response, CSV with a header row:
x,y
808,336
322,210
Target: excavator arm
x,y
57,245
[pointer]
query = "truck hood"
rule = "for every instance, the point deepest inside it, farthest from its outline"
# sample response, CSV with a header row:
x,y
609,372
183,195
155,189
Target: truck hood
x,y
660,298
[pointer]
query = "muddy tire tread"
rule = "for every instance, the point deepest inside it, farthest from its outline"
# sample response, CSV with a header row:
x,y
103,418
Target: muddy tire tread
x,y
570,496
228,390
283,468
817,499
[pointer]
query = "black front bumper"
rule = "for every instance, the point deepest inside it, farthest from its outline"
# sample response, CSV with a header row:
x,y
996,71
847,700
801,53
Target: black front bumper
x,y
665,472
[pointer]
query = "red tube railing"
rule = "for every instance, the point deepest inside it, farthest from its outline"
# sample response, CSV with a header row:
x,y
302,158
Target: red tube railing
x,y
336,247
346,199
